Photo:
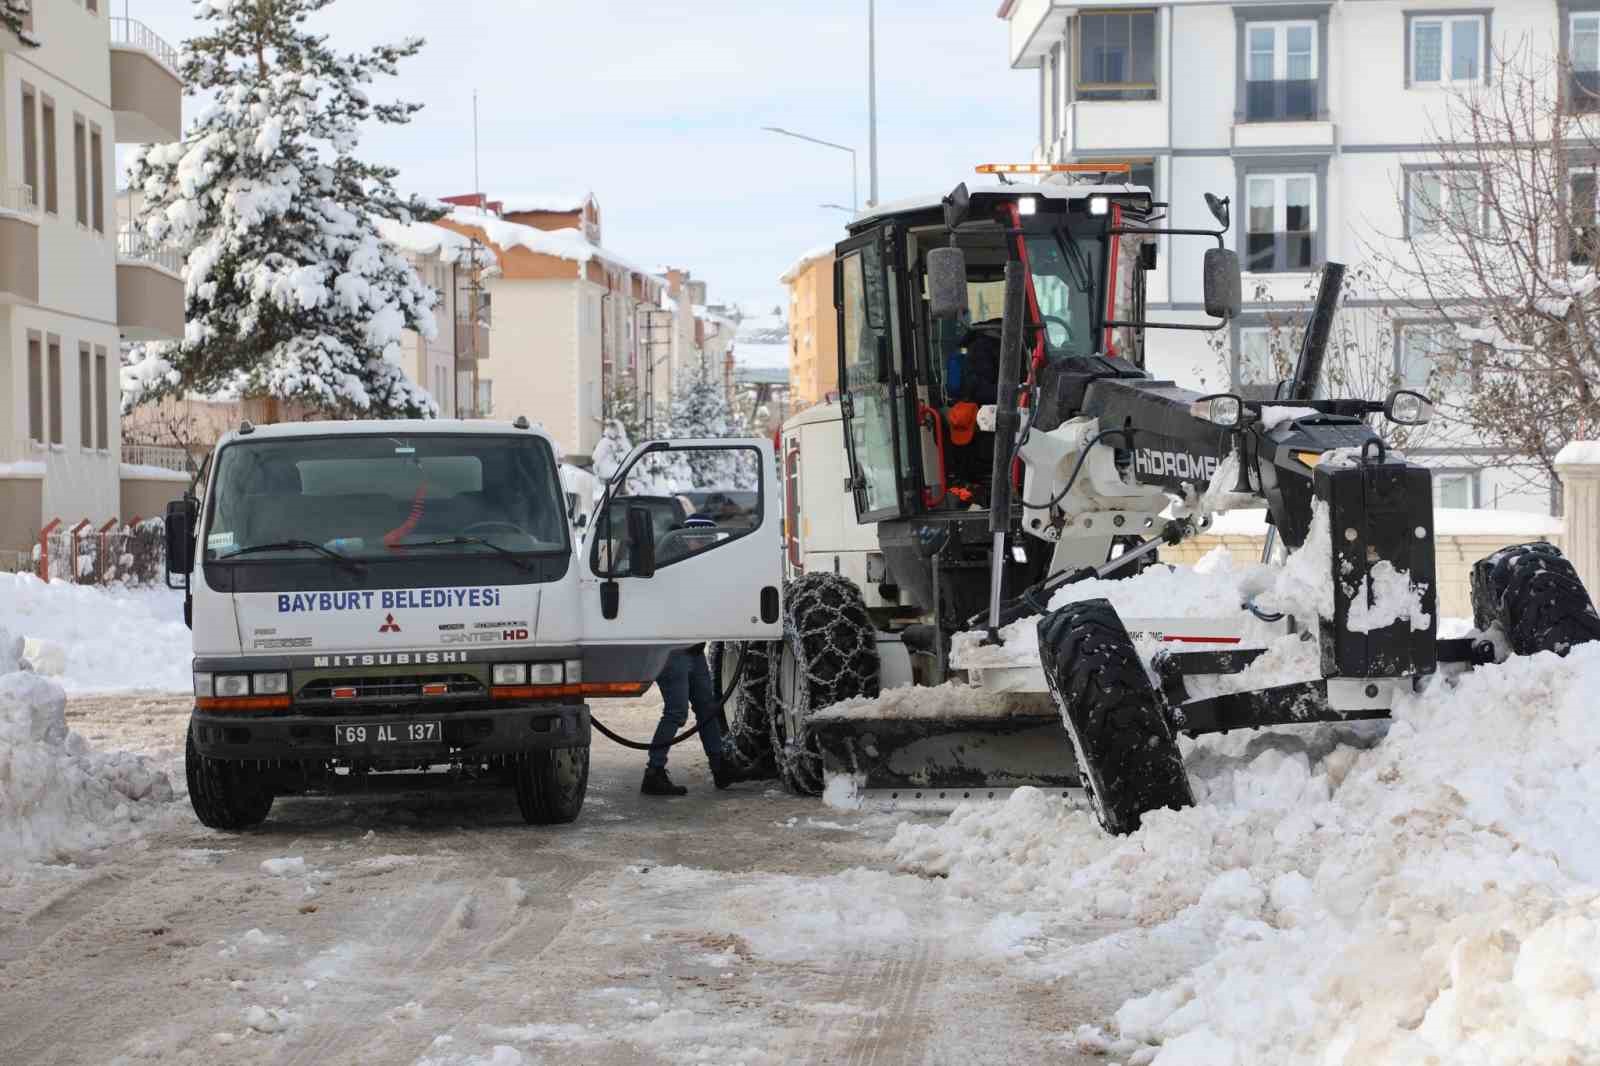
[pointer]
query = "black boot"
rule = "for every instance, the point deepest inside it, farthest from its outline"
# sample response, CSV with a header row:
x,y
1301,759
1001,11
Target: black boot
x,y
657,783
725,772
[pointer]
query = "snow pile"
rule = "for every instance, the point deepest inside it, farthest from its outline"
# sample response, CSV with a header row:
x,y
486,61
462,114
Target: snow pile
x,y
1433,898
99,638
56,796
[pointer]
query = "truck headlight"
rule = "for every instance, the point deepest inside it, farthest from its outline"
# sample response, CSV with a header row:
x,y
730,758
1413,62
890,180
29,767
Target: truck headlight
x,y
1223,409
510,673
202,684
574,671
271,684
232,685
544,674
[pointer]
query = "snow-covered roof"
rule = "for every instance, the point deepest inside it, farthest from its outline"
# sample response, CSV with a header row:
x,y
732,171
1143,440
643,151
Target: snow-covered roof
x,y
559,201
1049,190
819,252
385,427
569,244
425,240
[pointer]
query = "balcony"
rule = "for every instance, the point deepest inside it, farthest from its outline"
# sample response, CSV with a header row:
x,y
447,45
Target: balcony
x,y
19,245
1280,101
150,292
146,91
472,340
26,42
158,455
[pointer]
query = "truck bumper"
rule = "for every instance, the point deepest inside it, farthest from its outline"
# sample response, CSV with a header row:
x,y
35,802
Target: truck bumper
x,y
487,731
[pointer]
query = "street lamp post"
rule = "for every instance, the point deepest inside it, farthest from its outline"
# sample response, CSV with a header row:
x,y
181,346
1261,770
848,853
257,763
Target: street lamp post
x,y
872,103
854,197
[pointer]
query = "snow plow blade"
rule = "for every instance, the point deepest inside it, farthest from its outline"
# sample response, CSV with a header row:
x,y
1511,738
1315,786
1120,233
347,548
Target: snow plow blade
x,y
949,758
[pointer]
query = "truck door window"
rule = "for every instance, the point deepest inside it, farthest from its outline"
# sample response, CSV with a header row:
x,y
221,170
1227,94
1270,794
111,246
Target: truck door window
x,y
698,499
871,425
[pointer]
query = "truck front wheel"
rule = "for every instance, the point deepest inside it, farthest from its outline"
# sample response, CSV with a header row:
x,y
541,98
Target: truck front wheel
x,y
225,795
745,728
1533,593
551,784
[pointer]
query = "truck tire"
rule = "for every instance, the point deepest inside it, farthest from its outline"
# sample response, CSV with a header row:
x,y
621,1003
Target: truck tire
x,y
829,653
746,723
225,795
551,784
1125,746
1534,595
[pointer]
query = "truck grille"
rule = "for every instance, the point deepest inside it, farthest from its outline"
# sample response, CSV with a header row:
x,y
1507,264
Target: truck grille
x,y
390,689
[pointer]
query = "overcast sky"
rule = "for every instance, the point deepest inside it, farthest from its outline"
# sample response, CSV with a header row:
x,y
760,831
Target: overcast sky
x,y
659,112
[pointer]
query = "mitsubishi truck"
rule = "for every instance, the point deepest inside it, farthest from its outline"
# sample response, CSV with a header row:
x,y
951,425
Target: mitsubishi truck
x,y
391,604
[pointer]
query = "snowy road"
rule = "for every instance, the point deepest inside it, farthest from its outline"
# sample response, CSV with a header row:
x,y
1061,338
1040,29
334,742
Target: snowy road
x,y
724,928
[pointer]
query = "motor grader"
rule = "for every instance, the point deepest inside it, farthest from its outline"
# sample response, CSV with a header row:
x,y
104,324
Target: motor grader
x,y
996,438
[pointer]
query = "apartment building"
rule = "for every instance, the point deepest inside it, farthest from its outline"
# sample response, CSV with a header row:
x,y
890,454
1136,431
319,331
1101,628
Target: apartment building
x,y
71,288
813,328
1316,120
570,318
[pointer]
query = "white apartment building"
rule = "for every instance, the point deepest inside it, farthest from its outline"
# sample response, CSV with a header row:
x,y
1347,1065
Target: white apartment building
x,y
71,291
1316,119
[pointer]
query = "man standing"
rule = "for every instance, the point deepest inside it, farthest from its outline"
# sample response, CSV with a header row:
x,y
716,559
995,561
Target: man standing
x,y
685,682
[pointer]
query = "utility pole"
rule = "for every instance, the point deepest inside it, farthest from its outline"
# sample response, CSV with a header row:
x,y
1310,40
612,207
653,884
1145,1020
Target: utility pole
x,y
872,103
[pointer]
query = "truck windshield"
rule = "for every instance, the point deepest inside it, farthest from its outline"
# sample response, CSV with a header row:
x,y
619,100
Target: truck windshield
x,y
1066,276
389,497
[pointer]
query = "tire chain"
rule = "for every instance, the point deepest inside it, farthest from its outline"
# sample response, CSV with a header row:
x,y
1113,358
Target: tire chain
x,y
747,731
827,628
1534,594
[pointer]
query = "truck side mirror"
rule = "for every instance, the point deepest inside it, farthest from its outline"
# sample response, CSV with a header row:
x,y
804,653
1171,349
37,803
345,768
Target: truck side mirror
x,y
1224,289
179,529
947,283
641,543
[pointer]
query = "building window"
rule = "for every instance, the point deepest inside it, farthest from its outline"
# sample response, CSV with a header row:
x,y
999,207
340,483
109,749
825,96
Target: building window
x,y
1455,489
85,397
1256,365
1447,50
102,419
97,178
1117,55
53,360
1585,193
30,143
80,168
93,6
1281,222
47,118
1440,201
1280,71
1583,56
485,397
1433,360
35,389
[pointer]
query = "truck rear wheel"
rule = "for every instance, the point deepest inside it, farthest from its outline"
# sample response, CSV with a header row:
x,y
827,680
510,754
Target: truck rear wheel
x,y
747,726
1534,595
829,653
551,784
225,795
1127,752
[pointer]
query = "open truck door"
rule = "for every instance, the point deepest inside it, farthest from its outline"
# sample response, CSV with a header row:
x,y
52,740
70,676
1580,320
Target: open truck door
x,y
686,547
869,379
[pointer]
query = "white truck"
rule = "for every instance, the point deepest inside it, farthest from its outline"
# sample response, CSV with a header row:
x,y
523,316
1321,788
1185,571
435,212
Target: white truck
x,y
398,602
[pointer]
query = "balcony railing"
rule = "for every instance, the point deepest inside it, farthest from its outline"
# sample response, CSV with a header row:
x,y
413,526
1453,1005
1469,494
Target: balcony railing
x,y
1280,101
18,200
136,247
135,34
1585,94
163,456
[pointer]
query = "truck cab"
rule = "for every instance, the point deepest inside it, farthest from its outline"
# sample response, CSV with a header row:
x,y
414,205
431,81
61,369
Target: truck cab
x,y
372,597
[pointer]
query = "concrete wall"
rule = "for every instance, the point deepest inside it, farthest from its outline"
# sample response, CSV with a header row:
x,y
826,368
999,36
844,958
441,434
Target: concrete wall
x,y
534,334
147,497
20,513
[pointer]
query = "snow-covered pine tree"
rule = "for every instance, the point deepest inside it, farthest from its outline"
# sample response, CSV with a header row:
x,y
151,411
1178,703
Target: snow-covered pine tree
x,y
13,16
290,291
700,408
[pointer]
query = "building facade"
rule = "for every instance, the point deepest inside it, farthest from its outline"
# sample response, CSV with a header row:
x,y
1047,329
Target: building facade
x,y
72,288
813,329
1316,120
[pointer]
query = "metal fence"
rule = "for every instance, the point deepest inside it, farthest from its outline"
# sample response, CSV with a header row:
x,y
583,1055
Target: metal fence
x,y
135,34
134,555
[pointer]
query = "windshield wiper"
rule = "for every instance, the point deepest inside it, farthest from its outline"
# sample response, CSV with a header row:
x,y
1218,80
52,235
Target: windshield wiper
x,y
515,558
288,545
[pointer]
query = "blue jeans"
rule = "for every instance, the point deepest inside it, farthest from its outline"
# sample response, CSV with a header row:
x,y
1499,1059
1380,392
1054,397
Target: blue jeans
x,y
686,682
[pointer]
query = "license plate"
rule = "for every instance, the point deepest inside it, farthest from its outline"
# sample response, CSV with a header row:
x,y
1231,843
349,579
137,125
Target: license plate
x,y
388,733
